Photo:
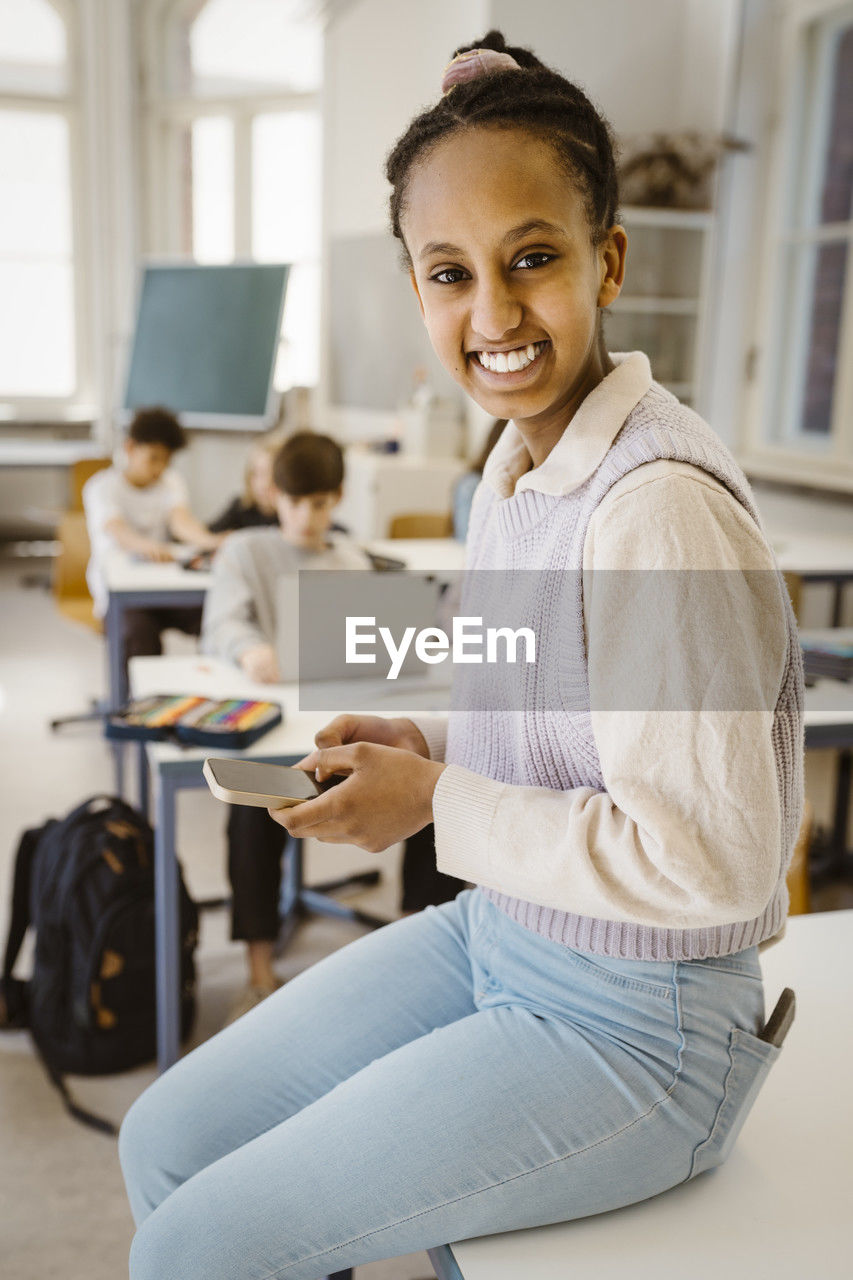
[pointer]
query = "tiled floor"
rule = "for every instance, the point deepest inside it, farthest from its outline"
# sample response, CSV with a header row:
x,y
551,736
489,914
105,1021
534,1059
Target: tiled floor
x,y
64,1215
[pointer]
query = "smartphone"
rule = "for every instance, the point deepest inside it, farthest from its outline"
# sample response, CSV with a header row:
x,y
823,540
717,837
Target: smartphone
x,y
266,786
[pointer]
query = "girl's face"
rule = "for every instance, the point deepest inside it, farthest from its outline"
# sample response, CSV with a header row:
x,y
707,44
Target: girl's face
x,y
508,280
260,481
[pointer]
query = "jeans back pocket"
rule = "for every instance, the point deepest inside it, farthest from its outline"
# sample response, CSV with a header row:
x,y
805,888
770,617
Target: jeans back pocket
x,y
750,1059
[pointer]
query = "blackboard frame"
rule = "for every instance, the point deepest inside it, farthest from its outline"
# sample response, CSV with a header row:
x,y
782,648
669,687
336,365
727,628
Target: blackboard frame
x,y
274,276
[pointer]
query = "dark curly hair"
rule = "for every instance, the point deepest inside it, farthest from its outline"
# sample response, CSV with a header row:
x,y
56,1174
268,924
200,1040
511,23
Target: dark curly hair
x,y
534,98
156,425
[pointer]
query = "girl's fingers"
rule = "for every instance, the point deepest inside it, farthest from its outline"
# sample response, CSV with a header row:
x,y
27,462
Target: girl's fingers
x,y
340,759
335,732
316,818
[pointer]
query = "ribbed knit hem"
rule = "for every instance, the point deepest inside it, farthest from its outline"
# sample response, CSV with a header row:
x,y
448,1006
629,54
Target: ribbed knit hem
x,y
434,728
623,941
463,807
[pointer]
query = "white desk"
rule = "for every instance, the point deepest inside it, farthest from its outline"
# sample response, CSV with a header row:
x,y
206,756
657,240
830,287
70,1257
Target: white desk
x,y
142,584
422,555
23,452
812,553
177,768
816,557
780,1206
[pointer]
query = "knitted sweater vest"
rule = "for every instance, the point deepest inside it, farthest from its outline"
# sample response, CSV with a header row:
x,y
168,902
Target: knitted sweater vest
x,y
555,747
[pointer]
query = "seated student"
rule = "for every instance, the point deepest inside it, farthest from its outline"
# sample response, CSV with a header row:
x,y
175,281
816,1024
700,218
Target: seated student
x,y
241,624
139,507
254,508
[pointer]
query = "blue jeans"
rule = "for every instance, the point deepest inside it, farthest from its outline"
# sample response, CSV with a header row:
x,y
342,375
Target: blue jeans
x,y
448,1076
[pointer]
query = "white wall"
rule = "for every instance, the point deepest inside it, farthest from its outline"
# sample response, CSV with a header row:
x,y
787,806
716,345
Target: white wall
x,y
384,60
658,64
648,65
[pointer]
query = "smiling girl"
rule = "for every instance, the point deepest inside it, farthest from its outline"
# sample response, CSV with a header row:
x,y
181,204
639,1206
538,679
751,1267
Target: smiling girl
x,y
579,1031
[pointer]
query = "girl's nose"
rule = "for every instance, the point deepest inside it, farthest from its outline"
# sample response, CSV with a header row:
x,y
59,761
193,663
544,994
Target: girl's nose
x,y
495,311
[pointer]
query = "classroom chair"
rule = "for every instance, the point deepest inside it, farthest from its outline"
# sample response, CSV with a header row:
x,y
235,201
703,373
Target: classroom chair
x,y
78,474
421,524
70,589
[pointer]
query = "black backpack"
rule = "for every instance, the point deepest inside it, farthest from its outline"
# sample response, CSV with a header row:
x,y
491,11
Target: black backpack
x,y
86,884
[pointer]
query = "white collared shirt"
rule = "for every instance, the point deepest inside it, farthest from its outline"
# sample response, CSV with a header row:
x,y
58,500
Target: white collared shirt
x,y
674,780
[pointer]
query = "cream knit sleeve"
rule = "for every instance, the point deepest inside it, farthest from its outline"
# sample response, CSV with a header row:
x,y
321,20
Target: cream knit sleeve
x,y
686,833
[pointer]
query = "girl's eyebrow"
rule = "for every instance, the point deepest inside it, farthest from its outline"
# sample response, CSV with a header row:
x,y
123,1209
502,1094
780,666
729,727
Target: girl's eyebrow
x,y
512,236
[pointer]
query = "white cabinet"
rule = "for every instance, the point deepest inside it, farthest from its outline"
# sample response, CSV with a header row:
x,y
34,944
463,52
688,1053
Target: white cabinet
x,y
663,307
379,486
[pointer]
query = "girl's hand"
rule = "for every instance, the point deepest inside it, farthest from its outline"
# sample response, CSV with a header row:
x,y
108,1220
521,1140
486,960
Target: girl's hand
x,y
383,730
386,797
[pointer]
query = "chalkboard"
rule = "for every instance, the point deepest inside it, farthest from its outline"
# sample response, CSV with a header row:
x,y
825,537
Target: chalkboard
x,y
206,340
377,338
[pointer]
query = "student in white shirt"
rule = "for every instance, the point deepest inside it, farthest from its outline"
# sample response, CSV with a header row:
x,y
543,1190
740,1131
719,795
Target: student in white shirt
x,y
143,508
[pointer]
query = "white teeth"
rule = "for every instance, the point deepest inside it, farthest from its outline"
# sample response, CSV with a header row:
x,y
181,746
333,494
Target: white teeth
x,y
510,361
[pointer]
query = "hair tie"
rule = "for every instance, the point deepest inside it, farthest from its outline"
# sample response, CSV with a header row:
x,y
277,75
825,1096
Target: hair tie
x,y
476,63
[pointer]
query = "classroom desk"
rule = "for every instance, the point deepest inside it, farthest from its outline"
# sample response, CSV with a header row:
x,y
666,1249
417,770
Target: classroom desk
x,y
176,768
142,584
422,555
779,1207
816,557
829,713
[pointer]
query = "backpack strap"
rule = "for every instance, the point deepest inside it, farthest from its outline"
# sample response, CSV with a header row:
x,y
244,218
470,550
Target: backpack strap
x,y
14,992
74,1109
100,803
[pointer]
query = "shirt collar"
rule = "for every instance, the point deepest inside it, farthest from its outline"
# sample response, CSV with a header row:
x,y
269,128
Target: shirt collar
x,y
583,444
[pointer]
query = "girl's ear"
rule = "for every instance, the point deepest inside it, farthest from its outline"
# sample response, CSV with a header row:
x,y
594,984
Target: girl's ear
x,y
613,253
417,292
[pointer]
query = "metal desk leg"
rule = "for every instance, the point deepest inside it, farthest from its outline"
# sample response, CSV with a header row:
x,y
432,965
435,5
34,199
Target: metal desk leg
x,y
115,653
166,927
143,779
444,1264
116,680
118,768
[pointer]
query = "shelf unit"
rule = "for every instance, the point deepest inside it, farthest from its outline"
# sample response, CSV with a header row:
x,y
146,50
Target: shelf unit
x,y
663,308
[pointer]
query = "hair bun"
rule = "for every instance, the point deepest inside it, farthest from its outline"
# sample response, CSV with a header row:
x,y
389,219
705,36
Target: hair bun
x,y
475,63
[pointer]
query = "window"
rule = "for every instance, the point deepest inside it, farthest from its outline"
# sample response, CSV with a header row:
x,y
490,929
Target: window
x,y
235,150
807,398
38,342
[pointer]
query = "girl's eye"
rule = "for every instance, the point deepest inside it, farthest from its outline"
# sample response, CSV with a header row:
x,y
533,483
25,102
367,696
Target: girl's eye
x,y
532,260
450,275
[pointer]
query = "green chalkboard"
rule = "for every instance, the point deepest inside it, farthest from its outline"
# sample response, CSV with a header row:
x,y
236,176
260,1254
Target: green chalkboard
x,y
206,340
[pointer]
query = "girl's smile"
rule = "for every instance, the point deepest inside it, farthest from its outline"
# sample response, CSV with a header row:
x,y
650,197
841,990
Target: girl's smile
x,y
508,279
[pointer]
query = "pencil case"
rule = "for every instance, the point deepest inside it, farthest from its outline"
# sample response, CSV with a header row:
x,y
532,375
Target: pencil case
x,y
193,721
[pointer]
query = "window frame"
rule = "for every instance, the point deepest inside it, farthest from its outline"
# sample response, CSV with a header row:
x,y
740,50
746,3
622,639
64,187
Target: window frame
x,y
78,404
166,115
779,350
